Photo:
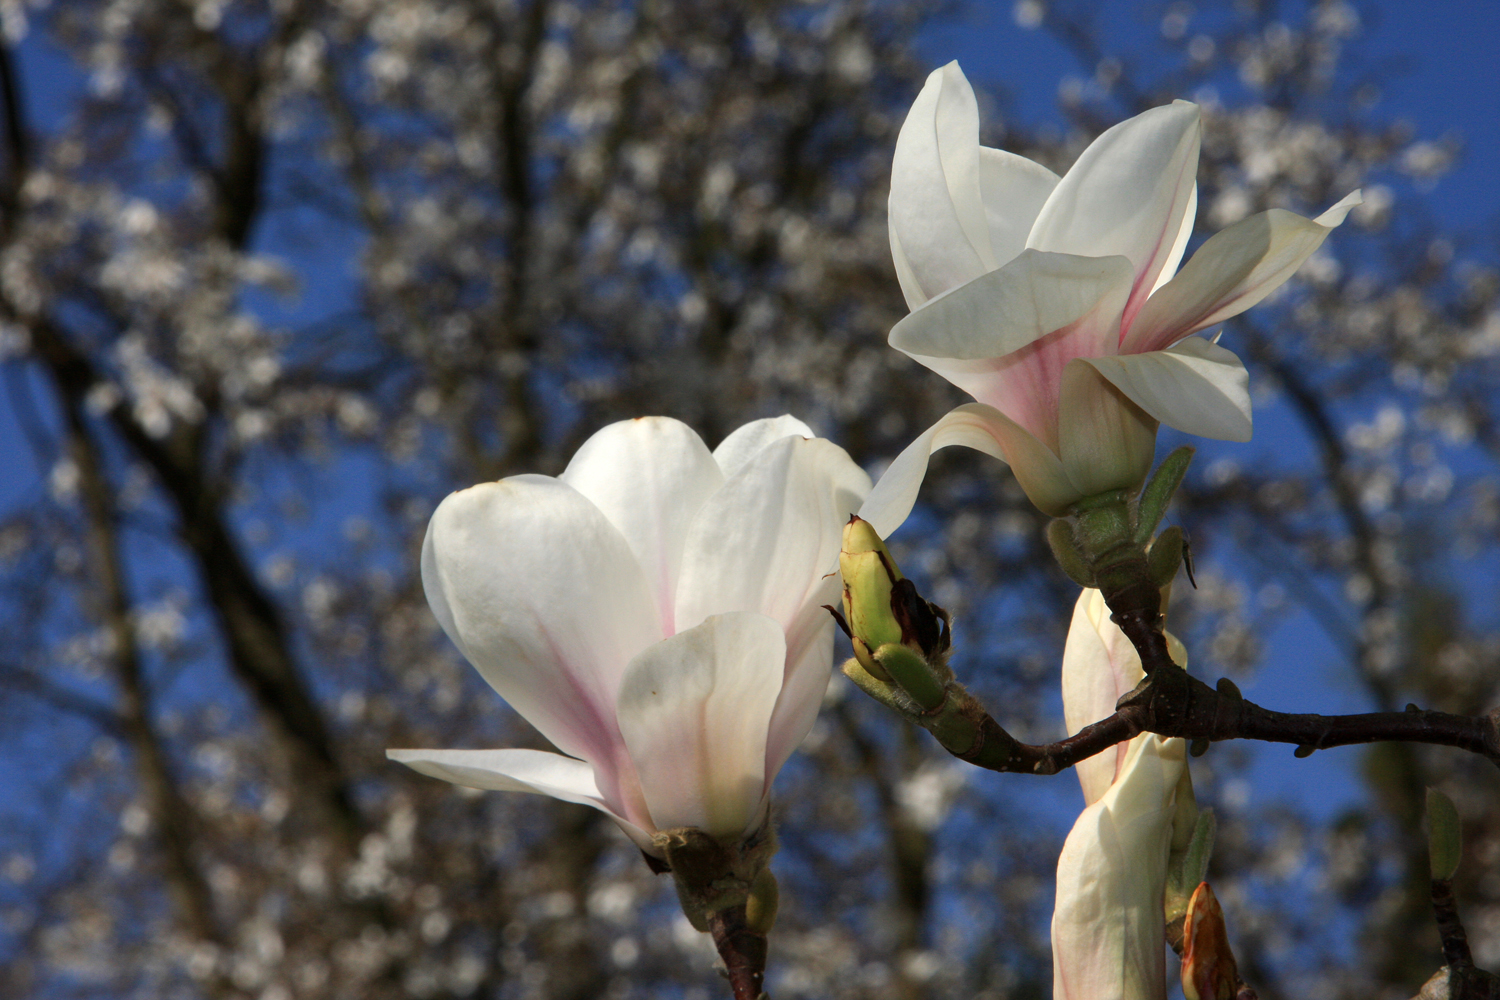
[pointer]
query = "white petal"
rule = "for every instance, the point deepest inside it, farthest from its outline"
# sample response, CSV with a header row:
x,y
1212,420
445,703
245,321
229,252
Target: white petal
x,y
971,425
809,663
936,209
1194,386
1003,311
649,476
1334,217
983,428
747,441
1127,195
1232,271
767,538
1106,441
519,771
1015,189
545,598
1026,384
695,710
1174,258
911,289
1099,665
1108,925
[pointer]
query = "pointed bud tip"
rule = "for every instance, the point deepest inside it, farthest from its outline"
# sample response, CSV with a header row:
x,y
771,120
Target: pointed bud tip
x,y
860,537
1208,967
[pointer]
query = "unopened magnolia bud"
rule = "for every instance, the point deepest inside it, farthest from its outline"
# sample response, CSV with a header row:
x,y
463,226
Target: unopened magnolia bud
x,y
1208,968
870,576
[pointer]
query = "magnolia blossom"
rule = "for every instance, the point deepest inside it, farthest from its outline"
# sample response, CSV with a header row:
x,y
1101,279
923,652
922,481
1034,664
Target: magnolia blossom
x,y
654,612
1109,923
1053,301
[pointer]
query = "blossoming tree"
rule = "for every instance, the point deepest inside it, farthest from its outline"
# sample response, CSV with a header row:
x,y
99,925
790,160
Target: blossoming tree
x,y
281,282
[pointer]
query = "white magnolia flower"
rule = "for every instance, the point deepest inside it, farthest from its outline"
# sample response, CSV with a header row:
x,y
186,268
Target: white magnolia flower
x,y
1109,923
1053,301
1109,926
655,612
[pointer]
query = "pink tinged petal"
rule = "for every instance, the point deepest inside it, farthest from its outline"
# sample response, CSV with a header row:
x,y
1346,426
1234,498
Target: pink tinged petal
x,y
1014,189
1174,258
746,442
765,541
936,209
1108,925
1232,271
1195,386
545,598
521,771
1026,384
1004,311
695,710
1099,665
1106,442
648,476
1039,471
973,425
1127,195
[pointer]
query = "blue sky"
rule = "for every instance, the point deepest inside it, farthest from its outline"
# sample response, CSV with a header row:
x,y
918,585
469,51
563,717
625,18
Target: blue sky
x,y
1436,62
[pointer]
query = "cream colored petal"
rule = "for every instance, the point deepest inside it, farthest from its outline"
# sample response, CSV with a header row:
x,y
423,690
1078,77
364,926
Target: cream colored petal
x,y
1232,271
1106,441
1108,925
891,500
983,428
1195,386
1099,665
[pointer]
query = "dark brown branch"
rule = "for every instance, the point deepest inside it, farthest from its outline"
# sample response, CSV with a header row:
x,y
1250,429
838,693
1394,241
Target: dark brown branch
x,y
171,816
743,952
18,151
259,648
28,682
1455,941
1170,702
1465,980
